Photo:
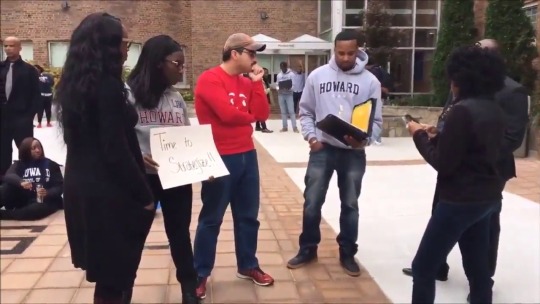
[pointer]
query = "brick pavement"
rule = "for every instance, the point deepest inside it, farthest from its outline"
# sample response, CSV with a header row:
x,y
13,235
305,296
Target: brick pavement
x,y
43,273
527,183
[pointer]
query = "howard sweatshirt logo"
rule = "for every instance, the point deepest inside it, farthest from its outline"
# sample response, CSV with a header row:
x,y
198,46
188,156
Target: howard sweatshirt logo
x,y
33,174
162,117
339,87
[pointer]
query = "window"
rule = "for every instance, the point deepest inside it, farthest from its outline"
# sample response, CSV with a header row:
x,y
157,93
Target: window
x,y
325,15
426,13
133,55
425,38
530,11
328,36
352,16
57,53
27,51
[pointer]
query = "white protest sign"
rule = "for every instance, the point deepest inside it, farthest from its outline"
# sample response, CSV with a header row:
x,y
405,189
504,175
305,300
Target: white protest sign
x,y
185,155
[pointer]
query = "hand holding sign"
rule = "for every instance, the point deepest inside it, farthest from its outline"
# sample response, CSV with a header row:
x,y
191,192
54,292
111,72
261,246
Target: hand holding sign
x,y
185,155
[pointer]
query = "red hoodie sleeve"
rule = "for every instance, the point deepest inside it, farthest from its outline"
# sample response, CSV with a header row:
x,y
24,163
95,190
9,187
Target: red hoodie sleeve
x,y
259,102
211,91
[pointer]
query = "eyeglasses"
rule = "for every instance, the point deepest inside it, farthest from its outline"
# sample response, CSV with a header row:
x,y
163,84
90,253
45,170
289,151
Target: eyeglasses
x,y
127,42
178,64
250,53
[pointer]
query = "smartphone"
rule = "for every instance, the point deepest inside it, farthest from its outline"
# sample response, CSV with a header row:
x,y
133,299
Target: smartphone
x,y
408,118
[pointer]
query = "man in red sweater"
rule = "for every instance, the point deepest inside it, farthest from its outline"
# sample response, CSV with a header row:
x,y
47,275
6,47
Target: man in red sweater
x,y
230,103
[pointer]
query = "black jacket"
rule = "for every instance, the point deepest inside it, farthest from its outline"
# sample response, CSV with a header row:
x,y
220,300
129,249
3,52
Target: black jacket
x,y
513,99
52,181
467,151
105,188
25,96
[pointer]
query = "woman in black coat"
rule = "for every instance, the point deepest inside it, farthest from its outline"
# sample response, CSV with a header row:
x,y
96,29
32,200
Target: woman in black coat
x,y
108,204
465,154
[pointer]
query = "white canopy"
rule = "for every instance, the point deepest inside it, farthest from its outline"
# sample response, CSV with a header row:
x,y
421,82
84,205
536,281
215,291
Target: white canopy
x,y
300,45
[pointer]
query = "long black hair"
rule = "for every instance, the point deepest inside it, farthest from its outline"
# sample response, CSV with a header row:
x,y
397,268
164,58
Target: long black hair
x,y
146,80
93,55
25,149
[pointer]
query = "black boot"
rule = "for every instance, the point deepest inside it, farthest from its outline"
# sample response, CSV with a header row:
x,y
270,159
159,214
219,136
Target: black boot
x,y
190,298
441,276
302,258
189,293
350,265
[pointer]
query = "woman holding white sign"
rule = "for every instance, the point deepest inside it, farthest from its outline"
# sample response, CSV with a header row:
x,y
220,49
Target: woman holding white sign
x,y
150,88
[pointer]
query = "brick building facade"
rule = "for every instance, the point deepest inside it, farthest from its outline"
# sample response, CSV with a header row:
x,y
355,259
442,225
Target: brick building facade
x,y
45,26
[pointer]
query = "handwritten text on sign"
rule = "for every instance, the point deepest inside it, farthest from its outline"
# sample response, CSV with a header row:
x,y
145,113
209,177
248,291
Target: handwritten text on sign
x,y
185,155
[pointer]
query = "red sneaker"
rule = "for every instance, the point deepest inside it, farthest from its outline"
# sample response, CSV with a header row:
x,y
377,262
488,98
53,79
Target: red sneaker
x,y
39,125
201,288
257,276
49,124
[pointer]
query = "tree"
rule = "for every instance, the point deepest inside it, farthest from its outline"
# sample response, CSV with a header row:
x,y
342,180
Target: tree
x,y
457,29
507,23
376,34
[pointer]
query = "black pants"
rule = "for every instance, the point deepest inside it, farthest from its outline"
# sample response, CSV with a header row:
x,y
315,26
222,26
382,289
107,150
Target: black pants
x,y
21,204
46,105
494,233
176,205
296,99
260,125
13,127
452,222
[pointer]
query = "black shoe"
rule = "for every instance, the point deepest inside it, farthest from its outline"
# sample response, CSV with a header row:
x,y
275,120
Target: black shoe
x,y
190,298
258,129
350,265
302,258
469,298
440,277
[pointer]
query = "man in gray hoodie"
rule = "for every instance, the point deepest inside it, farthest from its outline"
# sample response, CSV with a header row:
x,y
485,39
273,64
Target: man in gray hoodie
x,y
335,88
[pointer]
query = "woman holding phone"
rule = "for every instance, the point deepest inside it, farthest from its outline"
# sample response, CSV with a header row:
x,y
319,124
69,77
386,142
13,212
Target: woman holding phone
x,y
465,156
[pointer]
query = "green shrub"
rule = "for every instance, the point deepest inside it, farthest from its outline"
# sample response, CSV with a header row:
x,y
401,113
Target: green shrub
x,y
457,29
187,95
507,23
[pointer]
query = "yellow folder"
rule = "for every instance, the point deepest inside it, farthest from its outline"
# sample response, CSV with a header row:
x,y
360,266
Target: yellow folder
x,y
363,114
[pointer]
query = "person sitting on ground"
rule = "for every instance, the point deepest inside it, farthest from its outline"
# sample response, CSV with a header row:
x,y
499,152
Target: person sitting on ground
x,y
33,185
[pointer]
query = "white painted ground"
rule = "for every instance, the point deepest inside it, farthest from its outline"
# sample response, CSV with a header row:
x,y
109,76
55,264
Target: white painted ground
x,y
394,209
395,206
275,143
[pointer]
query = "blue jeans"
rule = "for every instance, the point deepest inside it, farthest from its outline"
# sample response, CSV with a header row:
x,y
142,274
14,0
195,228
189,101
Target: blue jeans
x,y
286,106
451,222
241,189
350,166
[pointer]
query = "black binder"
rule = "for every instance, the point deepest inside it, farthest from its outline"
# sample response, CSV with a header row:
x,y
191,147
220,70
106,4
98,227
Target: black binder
x,y
338,128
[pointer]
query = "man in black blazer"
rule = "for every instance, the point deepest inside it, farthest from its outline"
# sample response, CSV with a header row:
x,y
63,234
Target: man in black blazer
x,y
19,100
513,99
